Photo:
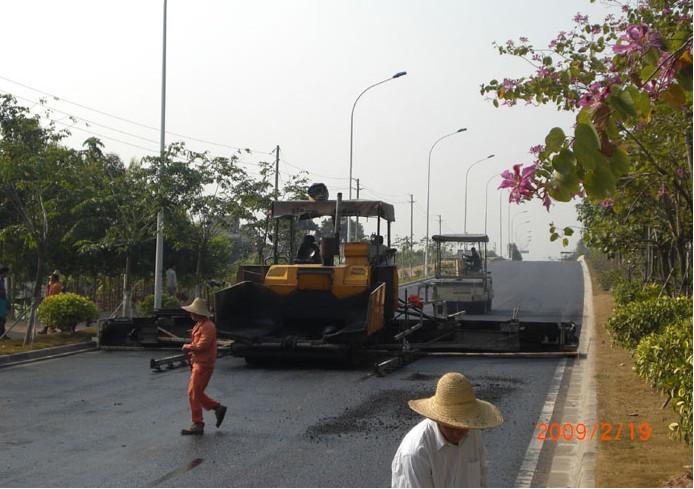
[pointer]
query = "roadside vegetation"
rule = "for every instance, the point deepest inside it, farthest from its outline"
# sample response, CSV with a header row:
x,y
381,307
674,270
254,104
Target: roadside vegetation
x,y
627,163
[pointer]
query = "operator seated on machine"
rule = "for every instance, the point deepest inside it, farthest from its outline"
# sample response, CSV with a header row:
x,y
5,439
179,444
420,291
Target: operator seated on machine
x,y
377,250
473,261
309,252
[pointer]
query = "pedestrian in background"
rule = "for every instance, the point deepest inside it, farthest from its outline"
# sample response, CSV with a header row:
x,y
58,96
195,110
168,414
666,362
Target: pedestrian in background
x,y
54,287
446,448
171,281
203,354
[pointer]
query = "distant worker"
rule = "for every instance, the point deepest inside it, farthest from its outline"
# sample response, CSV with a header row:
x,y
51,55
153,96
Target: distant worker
x,y
202,351
171,281
309,252
475,260
54,287
446,448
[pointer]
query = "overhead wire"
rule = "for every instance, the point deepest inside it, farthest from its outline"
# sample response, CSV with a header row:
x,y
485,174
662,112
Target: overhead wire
x,y
130,121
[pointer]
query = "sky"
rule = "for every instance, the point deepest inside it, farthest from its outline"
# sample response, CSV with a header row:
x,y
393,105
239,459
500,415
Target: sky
x,y
261,73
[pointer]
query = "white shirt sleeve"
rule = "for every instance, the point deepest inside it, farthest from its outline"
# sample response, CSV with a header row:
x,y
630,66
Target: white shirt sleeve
x,y
483,465
411,470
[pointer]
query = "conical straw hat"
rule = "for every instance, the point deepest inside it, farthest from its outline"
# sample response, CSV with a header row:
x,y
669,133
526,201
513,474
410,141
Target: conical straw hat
x,y
455,404
199,307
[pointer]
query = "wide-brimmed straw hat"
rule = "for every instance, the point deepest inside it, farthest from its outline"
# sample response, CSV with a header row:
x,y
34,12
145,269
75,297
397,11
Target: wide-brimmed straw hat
x,y
199,307
455,405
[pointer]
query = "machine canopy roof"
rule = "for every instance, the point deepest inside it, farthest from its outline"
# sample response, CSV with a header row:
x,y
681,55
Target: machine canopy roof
x,y
460,238
310,209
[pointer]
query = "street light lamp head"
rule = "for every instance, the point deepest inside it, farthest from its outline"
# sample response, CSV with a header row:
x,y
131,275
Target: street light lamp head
x,y
399,74
490,156
462,130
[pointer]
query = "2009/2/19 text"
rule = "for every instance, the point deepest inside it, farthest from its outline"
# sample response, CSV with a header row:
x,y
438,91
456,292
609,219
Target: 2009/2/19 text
x,y
604,431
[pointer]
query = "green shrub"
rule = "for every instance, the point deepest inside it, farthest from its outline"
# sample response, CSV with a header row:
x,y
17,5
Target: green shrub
x,y
146,306
626,291
665,361
65,311
608,278
633,321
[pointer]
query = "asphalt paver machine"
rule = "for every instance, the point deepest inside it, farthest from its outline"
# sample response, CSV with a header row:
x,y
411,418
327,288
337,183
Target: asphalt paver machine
x,y
330,299
462,282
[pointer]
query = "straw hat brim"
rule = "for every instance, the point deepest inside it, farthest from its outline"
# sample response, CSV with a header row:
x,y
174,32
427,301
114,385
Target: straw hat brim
x,y
198,309
475,414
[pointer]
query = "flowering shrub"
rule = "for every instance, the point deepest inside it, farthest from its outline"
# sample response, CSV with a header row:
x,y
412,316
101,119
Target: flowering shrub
x,y
665,361
65,311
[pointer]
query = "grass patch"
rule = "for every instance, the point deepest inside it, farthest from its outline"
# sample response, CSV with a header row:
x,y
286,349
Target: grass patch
x,y
8,347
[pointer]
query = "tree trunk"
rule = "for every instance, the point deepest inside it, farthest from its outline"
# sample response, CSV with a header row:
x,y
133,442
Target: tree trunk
x,y
127,305
29,335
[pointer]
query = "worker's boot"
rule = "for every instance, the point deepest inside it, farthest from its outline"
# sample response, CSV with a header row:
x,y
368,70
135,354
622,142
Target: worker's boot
x,y
219,413
195,429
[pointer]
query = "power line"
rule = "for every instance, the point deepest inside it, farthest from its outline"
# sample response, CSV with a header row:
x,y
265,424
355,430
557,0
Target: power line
x,y
81,118
312,173
130,121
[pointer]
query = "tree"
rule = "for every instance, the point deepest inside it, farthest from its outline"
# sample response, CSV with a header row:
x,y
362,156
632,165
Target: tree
x,y
629,79
35,176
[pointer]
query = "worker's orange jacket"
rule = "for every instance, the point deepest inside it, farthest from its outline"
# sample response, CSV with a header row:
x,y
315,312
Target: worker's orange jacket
x,y
54,289
203,347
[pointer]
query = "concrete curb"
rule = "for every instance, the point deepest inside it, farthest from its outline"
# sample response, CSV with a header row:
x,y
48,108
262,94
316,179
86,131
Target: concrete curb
x,y
573,464
45,354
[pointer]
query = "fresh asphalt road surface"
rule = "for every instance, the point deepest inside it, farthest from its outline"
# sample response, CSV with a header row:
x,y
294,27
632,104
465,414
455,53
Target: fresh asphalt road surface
x,y
539,289
103,419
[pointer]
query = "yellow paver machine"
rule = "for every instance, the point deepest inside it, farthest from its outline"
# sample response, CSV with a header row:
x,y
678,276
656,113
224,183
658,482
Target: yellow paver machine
x,y
330,297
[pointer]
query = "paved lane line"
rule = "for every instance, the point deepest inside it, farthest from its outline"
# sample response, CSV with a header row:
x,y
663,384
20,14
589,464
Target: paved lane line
x,y
532,454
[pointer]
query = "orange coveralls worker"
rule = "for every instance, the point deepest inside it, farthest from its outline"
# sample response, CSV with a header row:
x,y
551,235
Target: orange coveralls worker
x,y
54,288
203,353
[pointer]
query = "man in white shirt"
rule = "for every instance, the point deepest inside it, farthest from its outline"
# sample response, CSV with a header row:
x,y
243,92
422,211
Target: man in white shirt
x,y
171,281
446,448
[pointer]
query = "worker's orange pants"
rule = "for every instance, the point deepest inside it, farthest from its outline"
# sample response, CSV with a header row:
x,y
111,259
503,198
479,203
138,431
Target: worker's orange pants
x,y
199,378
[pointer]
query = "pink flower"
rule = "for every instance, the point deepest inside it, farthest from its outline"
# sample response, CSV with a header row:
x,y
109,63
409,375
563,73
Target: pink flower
x,y
580,19
637,39
607,204
681,172
509,84
596,93
543,71
519,181
537,149
523,39
546,200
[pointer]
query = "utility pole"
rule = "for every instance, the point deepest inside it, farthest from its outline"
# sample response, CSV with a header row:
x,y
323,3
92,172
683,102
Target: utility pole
x,y
440,221
508,234
277,194
411,232
501,226
356,227
159,253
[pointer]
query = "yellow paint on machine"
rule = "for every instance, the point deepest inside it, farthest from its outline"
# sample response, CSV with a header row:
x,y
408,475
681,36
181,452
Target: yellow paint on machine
x,y
342,280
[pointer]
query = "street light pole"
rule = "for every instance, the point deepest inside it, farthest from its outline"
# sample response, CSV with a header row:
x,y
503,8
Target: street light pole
x,y
351,137
486,199
515,231
510,230
426,241
159,258
466,175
